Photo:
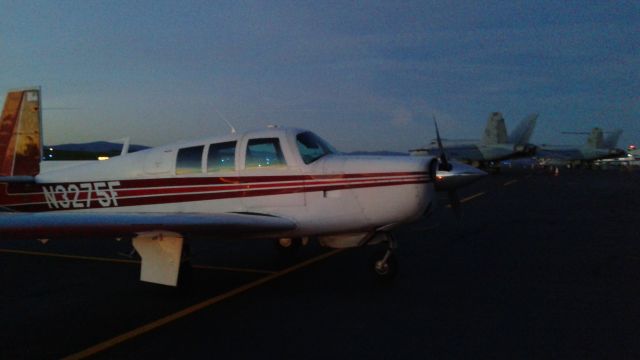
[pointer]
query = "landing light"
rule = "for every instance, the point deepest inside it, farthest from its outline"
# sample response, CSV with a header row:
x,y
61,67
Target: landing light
x,y
102,158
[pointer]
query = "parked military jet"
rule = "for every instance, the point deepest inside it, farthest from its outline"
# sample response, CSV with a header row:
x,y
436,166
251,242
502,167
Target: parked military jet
x,y
597,147
495,145
280,183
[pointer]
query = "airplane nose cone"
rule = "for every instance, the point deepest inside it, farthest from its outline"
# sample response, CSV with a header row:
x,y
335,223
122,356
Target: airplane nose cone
x,y
459,176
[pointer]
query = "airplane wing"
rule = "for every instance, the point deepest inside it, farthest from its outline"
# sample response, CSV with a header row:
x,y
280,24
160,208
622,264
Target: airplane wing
x,y
61,224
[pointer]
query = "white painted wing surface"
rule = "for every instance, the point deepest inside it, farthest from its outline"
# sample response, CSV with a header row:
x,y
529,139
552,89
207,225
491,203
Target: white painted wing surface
x,y
61,224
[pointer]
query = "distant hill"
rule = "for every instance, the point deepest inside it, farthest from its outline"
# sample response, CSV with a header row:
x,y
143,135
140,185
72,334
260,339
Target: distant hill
x,y
86,151
96,146
92,150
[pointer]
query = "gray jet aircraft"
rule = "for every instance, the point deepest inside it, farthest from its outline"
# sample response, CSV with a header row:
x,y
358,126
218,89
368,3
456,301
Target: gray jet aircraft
x,y
597,147
495,145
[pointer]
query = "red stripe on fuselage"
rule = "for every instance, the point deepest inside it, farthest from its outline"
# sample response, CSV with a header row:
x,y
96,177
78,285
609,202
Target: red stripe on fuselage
x,y
30,198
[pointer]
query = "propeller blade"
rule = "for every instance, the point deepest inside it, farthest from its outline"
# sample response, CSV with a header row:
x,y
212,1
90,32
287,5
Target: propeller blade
x,y
444,164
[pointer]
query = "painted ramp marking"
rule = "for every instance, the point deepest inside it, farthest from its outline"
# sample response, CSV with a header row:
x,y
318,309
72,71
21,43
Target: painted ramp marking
x,y
194,308
469,198
127,261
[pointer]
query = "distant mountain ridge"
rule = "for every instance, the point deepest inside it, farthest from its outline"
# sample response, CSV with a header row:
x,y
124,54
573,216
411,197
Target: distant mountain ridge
x,y
106,146
109,147
96,146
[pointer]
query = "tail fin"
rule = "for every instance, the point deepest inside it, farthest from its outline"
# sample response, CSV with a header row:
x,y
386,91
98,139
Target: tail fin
x,y
522,133
21,134
495,132
596,139
611,141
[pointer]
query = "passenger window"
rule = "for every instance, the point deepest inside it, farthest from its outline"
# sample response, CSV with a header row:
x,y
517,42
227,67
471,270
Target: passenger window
x,y
189,160
264,153
222,157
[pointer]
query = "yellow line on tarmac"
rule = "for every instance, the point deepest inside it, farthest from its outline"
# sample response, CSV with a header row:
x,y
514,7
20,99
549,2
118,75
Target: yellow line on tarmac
x,y
126,261
510,182
469,198
65,256
190,310
233,269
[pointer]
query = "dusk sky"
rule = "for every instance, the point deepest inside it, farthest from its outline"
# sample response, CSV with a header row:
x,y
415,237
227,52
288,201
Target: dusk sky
x,y
364,75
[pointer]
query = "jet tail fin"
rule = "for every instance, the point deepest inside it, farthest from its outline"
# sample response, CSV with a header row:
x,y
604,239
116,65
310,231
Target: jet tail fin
x,y
596,139
21,134
495,132
611,141
522,133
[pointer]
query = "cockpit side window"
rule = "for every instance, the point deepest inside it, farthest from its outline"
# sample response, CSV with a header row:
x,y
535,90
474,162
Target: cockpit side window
x,y
189,160
222,157
312,147
263,153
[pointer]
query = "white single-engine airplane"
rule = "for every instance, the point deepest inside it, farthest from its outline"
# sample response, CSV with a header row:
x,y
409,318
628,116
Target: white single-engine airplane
x,y
279,183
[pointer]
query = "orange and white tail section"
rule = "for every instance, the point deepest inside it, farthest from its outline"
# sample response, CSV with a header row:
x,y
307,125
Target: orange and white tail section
x,y
21,134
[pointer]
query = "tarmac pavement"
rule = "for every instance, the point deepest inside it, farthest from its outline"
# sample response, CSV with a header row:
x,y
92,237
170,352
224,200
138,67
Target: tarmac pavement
x,y
540,266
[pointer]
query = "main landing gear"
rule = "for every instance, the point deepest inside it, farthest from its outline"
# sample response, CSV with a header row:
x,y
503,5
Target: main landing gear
x,y
384,262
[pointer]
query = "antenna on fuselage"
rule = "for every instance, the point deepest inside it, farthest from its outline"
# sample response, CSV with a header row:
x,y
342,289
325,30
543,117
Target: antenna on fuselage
x,y
125,146
126,141
233,130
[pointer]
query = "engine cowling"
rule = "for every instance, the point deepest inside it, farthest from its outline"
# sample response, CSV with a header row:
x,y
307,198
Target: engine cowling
x,y
458,175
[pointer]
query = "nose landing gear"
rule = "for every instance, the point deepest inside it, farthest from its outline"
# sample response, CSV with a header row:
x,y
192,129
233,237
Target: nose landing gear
x,y
384,262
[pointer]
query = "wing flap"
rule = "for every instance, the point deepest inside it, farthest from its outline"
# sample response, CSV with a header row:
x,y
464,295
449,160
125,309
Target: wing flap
x,y
61,224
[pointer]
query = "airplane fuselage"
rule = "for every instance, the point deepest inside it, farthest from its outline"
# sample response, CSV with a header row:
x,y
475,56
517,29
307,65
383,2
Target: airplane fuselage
x,y
330,195
280,183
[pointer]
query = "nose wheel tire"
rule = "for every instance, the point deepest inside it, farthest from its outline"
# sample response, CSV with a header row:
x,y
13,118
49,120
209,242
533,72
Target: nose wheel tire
x,y
384,265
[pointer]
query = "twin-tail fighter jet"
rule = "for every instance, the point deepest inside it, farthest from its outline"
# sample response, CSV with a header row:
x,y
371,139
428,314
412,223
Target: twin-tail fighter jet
x,y
495,145
597,147
284,184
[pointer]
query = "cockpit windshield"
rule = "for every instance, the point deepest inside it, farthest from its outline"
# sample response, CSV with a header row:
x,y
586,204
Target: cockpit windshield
x,y
312,147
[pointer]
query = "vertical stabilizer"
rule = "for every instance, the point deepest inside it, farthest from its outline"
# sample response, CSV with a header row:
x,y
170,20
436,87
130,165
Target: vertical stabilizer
x,y
523,132
495,132
611,141
20,134
596,139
